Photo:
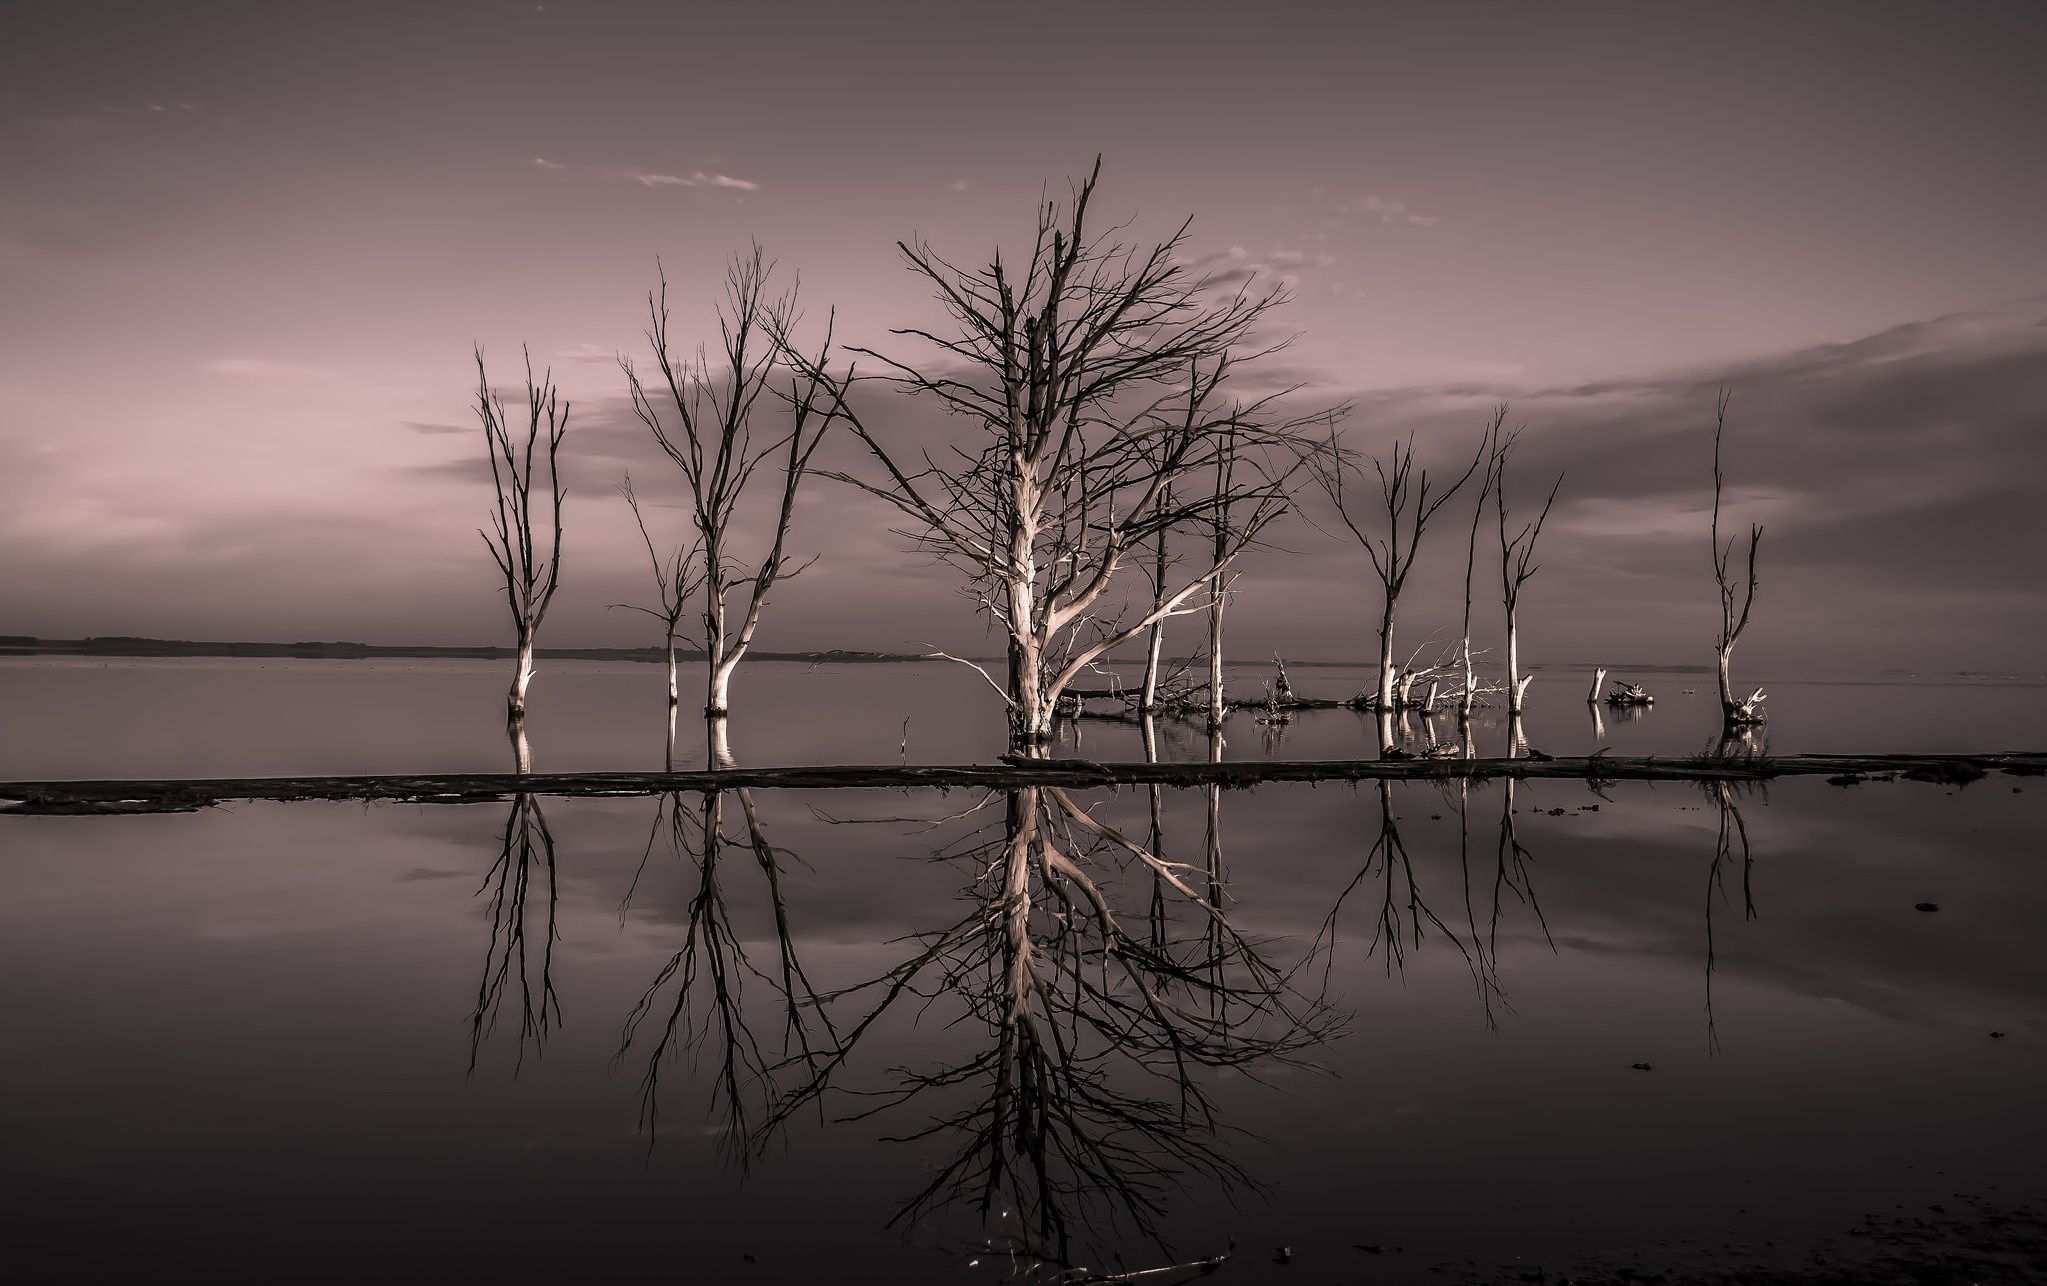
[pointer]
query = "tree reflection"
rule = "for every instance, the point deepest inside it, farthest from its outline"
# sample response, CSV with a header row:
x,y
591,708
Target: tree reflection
x,y
1402,914
513,966
704,1012
1730,845
1083,1098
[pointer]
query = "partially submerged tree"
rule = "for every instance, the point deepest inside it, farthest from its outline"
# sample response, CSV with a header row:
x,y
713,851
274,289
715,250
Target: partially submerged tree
x,y
1095,382
1734,713
1407,501
1469,697
706,426
675,582
1517,561
525,542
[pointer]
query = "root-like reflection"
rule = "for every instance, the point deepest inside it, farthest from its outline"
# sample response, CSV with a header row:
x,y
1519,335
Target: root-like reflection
x,y
1099,987
1403,915
1730,846
513,965
696,1004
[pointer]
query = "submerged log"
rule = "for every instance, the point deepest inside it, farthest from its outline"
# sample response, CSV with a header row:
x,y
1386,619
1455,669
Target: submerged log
x,y
103,797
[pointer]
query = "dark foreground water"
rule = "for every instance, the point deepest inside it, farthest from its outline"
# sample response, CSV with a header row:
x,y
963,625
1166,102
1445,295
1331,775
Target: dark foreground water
x,y
885,1036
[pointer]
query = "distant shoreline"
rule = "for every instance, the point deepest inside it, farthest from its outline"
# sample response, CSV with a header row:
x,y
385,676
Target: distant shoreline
x,y
123,645
128,645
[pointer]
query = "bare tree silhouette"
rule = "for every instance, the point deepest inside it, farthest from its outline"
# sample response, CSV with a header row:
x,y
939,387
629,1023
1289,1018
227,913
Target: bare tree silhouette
x,y
1408,503
1517,559
1097,382
1734,713
675,580
525,544
706,426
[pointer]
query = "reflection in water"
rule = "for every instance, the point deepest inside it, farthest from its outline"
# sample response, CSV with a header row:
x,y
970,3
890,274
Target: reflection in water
x,y
1730,840
1087,1102
1090,983
706,1015
1402,915
1079,1100
511,963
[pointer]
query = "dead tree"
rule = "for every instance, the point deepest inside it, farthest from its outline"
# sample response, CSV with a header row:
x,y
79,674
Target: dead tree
x,y
675,582
1733,619
1517,562
1408,502
706,426
1470,694
1093,382
530,563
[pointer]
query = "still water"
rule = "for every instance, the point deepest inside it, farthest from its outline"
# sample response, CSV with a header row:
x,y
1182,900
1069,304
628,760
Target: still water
x,y
545,1039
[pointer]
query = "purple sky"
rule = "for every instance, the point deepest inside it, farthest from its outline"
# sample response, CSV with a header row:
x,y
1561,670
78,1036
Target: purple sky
x,y
245,250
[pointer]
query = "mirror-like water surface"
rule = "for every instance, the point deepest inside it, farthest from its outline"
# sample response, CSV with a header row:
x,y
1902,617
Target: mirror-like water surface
x,y
879,1035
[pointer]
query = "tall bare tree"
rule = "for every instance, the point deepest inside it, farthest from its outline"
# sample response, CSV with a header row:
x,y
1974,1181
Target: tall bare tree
x,y
706,426
1517,561
1407,503
675,582
1734,713
1469,697
525,542
1095,382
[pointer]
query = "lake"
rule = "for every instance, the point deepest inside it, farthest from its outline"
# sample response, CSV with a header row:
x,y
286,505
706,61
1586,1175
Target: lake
x,y
1408,1031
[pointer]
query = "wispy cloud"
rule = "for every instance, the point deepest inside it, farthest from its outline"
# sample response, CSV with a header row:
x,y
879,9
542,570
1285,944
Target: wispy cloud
x,y
104,117
587,355
699,179
959,185
1237,265
430,428
546,164
263,369
1386,212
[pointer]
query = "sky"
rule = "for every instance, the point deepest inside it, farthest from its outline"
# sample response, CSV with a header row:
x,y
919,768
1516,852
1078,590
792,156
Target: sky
x,y
246,250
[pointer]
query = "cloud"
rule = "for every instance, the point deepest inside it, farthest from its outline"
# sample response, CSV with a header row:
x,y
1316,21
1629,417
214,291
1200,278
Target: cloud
x,y
1388,213
105,117
960,185
546,164
264,369
697,180
587,355
420,426
1237,265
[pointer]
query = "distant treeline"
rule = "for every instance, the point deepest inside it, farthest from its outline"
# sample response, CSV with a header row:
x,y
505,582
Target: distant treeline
x,y
124,645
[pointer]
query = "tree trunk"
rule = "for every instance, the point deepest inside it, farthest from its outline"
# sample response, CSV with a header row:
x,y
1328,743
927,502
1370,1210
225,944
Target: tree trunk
x,y
522,677
717,741
1216,708
1730,709
1150,698
1598,683
674,701
1515,685
1386,658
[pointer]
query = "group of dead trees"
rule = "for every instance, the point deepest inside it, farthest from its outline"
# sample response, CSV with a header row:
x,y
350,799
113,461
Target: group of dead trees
x,y
1104,435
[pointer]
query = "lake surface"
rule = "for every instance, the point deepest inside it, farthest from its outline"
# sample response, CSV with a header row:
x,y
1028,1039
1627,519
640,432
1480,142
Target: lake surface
x,y
537,1040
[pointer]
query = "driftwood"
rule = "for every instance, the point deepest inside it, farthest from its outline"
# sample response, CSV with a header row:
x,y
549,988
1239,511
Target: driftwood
x,y
103,797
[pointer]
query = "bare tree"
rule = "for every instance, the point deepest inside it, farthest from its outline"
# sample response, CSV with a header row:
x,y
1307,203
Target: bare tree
x,y
711,439
1408,502
530,563
1517,562
675,582
1096,382
1733,620
1470,695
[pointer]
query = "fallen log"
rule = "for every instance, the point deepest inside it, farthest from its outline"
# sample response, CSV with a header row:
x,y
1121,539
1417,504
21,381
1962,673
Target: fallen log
x,y
104,797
